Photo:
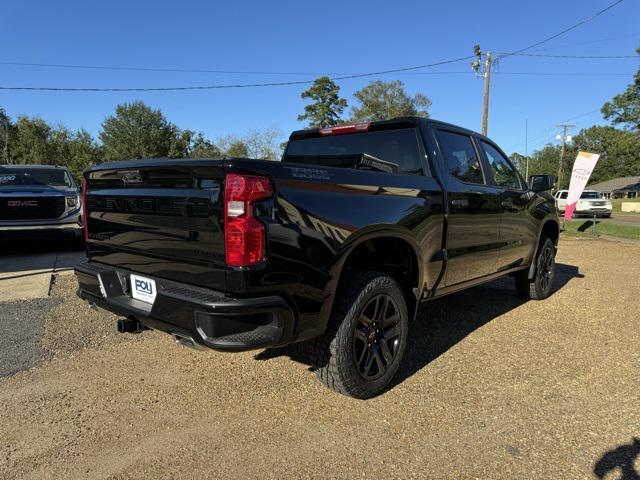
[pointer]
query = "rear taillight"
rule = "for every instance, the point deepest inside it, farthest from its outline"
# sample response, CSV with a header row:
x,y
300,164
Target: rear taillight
x,y
244,235
85,218
337,130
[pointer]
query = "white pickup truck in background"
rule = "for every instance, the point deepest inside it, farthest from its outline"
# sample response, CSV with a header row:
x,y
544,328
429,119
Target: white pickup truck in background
x,y
591,204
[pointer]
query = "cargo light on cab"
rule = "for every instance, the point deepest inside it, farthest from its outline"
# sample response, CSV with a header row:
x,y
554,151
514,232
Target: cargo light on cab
x,y
340,129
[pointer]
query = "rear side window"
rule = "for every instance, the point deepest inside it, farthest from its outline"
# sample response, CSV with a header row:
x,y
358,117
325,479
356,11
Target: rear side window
x,y
460,156
399,146
503,173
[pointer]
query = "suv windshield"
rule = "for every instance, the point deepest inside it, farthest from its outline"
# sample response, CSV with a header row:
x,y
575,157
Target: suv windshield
x,y
398,146
35,177
590,195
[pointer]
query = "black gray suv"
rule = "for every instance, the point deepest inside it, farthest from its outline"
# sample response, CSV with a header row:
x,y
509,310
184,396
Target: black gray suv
x,y
39,200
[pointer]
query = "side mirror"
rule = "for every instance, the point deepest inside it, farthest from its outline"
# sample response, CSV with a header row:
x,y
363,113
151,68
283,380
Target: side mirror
x,y
541,183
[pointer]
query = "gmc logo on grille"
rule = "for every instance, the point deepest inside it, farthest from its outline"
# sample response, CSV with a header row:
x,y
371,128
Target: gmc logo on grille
x,y
22,203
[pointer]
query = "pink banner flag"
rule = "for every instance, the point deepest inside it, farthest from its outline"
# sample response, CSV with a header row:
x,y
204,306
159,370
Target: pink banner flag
x,y
582,168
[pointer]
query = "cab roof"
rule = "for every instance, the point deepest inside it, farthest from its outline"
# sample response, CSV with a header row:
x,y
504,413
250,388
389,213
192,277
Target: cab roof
x,y
399,122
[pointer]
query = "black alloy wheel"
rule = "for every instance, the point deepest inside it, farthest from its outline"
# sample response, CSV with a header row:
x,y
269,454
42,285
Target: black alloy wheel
x,y
376,337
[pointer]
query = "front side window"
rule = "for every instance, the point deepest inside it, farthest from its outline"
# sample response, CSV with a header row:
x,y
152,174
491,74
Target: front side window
x,y
460,156
503,173
564,195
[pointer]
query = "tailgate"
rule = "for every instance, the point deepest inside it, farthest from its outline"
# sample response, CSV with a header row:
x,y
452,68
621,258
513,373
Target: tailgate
x,y
159,217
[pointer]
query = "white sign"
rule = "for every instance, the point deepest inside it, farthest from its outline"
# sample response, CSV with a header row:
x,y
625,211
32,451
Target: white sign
x,y
582,168
143,288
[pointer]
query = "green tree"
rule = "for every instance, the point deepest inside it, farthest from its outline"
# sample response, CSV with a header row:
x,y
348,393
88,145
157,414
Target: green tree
x,y
204,148
545,161
237,148
75,150
7,135
520,162
382,100
264,144
138,131
625,108
260,144
327,104
32,141
619,151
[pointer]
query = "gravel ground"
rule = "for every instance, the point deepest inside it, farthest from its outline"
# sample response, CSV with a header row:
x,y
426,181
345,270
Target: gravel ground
x,y
21,330
491,388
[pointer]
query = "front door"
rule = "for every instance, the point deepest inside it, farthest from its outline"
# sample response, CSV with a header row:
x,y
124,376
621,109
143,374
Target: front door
x,y
473,212
518,235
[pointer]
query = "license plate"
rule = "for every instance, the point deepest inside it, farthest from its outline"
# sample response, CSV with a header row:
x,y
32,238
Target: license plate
x,y
143,289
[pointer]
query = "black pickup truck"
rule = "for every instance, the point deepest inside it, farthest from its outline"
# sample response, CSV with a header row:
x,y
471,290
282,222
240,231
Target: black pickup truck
x,y
335,246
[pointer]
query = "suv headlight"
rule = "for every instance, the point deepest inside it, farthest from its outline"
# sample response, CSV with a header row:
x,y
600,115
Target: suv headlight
x,y
73,202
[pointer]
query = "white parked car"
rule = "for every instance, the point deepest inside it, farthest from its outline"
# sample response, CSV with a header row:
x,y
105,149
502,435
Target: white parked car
x,y
591,203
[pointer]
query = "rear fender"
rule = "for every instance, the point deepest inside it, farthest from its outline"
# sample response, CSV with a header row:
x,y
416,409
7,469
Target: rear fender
x,y
368,233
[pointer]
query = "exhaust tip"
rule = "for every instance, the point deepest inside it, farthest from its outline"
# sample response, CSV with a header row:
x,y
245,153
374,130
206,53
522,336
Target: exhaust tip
x,y
188,342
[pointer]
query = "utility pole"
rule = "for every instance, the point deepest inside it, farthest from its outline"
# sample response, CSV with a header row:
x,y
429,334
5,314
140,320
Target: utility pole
x,y
487,83
485,72
526,148
565,138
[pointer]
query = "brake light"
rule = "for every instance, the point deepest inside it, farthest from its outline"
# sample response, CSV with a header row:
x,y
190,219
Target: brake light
x,y
85,218
340,129
244,235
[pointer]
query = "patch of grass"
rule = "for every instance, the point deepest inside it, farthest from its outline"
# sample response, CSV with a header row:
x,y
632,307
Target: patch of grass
x,y
584,228
617,202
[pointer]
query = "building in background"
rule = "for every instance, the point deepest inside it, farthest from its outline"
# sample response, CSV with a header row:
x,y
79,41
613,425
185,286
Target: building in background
x,y
623,187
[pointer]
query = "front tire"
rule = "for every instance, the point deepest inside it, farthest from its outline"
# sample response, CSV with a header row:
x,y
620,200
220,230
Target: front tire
x,y
541,285
365,340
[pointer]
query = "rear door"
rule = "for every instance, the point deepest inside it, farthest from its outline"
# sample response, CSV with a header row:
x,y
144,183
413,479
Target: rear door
x,y
473,209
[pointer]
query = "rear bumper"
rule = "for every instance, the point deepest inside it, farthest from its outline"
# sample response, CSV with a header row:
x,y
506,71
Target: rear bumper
x,y
206,317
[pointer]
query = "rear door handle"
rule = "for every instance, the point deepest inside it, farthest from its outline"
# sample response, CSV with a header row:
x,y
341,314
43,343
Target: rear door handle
x,y
460,203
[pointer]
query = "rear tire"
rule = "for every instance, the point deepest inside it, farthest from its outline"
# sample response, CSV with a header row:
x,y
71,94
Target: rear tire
x,y
363,346
541,285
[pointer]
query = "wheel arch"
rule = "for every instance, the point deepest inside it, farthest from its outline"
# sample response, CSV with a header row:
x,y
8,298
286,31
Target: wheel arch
x,y
549,228
393,252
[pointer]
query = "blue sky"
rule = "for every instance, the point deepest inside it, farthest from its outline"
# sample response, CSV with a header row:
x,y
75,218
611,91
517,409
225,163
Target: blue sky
x,y
309,38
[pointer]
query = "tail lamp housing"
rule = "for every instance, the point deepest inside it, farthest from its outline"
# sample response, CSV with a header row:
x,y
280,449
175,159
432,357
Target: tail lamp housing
x,y
244,234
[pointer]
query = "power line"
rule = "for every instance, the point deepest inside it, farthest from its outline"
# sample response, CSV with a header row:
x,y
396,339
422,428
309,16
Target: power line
x,y
549,136
591,42
543,133
566,30
161,69
546,55
243,85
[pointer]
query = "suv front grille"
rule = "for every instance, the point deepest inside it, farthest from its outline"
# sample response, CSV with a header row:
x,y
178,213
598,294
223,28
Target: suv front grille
x,y
31,208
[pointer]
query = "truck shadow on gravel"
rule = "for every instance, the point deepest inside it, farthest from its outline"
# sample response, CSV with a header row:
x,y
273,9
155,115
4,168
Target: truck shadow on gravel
x,y
444,322
622,458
